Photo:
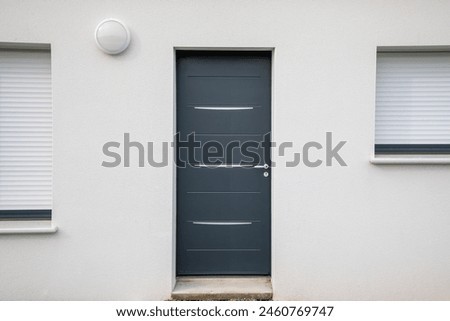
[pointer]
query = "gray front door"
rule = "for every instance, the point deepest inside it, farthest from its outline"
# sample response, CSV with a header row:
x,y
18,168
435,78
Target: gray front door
x,y
223,158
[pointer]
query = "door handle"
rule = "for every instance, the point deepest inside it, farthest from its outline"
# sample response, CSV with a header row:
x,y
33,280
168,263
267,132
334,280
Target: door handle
x,y
265,166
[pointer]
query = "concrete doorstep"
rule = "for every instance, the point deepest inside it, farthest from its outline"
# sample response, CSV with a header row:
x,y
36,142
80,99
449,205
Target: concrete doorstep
x,y
223,288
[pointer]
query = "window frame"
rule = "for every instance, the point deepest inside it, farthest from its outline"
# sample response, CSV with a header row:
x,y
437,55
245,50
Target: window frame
x,y
30,214
409,149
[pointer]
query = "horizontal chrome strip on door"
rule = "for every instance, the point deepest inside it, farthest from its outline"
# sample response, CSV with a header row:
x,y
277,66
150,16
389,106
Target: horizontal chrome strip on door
x,y
223,250
223,108
221,223
223,192
231,166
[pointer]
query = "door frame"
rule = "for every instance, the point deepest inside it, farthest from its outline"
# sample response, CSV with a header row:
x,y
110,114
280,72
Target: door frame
x,y
174,128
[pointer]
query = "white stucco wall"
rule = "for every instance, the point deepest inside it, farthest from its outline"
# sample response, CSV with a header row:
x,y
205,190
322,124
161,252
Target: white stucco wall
x,y
370,232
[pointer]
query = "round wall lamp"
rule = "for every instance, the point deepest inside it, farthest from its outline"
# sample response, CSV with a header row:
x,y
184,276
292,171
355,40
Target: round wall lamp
x,y
112,36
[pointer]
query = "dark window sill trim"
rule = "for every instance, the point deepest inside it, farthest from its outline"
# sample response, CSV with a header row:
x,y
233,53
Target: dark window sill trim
x,y
412,149
27,215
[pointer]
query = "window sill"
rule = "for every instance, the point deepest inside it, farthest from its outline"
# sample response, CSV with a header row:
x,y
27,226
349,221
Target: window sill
x,y
411,160
27,227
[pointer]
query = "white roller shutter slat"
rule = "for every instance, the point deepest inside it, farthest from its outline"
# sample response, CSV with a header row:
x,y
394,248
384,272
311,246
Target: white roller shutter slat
x,y
25,130
413,98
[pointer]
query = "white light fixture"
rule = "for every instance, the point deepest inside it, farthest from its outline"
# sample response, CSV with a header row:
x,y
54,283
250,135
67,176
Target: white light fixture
x,y
112,36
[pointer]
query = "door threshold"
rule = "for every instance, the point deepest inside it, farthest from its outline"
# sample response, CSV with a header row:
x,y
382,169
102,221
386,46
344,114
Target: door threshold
x,y
223,288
